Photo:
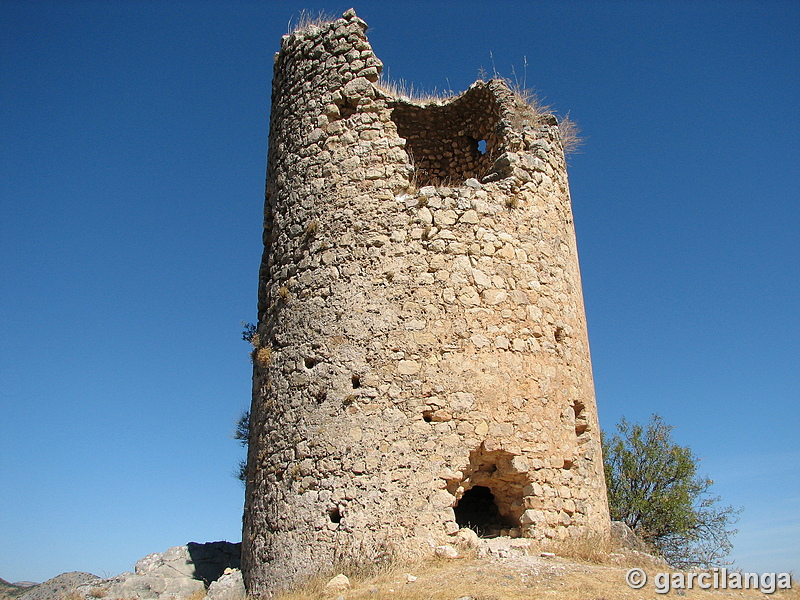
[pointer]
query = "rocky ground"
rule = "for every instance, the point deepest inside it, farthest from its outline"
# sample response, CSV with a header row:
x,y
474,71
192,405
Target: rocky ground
x,y
501,568
510,569
512,578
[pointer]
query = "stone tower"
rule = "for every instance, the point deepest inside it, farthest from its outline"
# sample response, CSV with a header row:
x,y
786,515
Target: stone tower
x,y
422,361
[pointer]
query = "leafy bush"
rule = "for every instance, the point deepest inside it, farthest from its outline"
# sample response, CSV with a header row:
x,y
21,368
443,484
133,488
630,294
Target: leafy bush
x,y
653,487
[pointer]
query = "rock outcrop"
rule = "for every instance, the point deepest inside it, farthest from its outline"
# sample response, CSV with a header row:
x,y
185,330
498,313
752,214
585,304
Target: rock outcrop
x,y
206,562
186,572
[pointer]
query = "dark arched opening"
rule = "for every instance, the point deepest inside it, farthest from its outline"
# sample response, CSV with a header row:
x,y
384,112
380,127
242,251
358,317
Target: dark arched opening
x,y
478,511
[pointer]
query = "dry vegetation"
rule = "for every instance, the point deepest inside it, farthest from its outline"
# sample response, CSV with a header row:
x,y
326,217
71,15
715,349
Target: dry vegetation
x,y
568,129
307,19
571,140
406,91
589,568
516,578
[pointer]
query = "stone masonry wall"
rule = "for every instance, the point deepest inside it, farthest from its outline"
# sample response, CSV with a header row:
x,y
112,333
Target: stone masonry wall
x,y
422,360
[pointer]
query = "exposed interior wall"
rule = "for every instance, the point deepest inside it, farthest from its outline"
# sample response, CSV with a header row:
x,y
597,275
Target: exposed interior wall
x,y
451,142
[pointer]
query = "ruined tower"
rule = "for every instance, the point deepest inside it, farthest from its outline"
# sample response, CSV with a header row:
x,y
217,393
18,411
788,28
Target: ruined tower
x,y
422,361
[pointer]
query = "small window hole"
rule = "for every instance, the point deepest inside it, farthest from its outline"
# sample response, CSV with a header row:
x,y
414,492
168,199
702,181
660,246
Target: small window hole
x,y
356,381
578,408
581,424
427,416
482,146
347,111
309,362
560,334
335,515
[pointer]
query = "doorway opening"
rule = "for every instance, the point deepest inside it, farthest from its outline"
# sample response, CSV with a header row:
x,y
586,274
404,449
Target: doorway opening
x,y
478,510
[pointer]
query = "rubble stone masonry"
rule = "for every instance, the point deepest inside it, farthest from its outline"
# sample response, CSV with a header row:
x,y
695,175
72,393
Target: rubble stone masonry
x,y
422,359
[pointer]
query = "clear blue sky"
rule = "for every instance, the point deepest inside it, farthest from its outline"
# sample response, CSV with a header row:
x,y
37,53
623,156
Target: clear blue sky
x,y
132,162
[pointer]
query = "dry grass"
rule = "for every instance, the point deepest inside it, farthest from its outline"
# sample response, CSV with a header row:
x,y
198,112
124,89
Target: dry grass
x,y
518,578
261,352
262,355
568,129
406,91
595,549
571,140
529,97
307,19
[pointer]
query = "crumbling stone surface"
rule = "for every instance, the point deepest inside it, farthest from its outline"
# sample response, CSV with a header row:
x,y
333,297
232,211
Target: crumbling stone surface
x,y
423,360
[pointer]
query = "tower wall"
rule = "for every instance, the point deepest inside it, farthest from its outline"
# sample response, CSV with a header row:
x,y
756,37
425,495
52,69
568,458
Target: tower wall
x,y
421,327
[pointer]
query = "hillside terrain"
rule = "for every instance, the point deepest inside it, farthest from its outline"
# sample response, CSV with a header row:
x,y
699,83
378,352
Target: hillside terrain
x,y
9,590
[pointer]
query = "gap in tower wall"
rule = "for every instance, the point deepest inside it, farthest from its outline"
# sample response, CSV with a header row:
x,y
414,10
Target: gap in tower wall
x,y
451,142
